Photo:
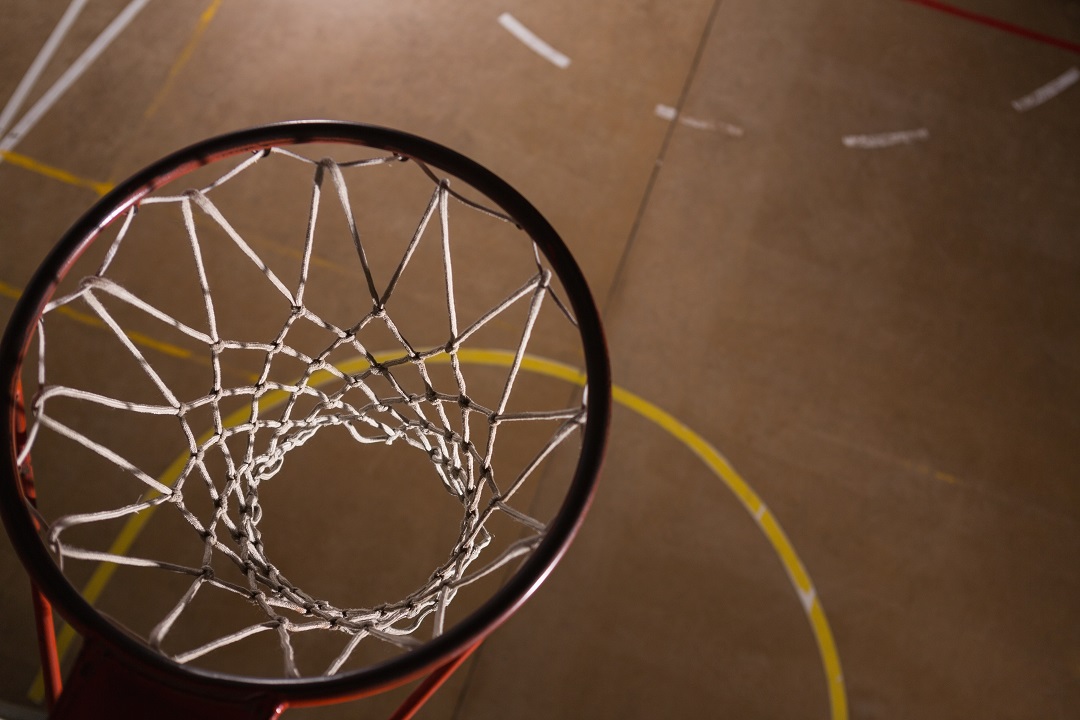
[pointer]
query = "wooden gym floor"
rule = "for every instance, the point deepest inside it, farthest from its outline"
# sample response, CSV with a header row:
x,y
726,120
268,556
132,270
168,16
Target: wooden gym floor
x,y
835,247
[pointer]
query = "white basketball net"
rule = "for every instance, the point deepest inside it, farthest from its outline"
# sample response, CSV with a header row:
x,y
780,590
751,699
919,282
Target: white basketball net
x,y
348,400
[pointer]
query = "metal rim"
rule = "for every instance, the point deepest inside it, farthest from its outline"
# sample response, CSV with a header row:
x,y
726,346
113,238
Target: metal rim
x,y
561,530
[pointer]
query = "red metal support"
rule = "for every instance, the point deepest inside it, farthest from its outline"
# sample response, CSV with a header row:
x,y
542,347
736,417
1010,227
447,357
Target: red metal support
x,y
431,684
104,685
43,617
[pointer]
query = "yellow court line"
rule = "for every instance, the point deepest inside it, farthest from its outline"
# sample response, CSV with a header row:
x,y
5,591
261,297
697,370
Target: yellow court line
x,y
28,163
87,319
721,468
183,58
10,292
742,490
698,445
102,188
136,337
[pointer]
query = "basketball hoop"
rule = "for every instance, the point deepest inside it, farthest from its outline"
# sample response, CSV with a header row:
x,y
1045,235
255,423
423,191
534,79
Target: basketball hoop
x,y
297,331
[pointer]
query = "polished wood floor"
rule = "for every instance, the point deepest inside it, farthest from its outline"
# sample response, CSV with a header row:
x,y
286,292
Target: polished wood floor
x,y
835,247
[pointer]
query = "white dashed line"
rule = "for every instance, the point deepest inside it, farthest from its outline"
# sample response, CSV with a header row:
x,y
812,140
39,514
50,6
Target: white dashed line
x,y
883,140
1051,89
533,42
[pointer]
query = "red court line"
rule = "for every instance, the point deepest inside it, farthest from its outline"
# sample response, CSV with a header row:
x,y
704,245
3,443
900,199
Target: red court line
x,y
999,25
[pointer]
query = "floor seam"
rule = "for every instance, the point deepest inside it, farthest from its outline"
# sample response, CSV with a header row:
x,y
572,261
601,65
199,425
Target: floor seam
x,y
635,228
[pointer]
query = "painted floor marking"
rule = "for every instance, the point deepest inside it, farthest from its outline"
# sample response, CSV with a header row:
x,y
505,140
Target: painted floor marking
x,y
884,140
999,25
72,74
767,523
1048,91
533,41
38,65
27,163
917,468
666,112
183,58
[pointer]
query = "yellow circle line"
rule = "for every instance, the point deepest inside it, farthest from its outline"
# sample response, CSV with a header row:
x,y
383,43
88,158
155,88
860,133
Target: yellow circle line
x,y
708,454
712,458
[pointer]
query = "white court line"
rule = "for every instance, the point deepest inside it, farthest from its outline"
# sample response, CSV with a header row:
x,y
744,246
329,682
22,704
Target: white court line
x,y
73,73
534,43
1051,89
38,66
882,140
666,112
733,130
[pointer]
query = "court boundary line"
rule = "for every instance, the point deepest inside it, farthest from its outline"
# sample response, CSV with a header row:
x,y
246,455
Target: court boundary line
x,y
998,24
52,172
705,451
40,61
183,58
72,74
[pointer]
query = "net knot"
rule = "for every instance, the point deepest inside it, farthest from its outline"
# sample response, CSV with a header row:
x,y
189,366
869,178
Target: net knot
x,y
267,467
253,511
